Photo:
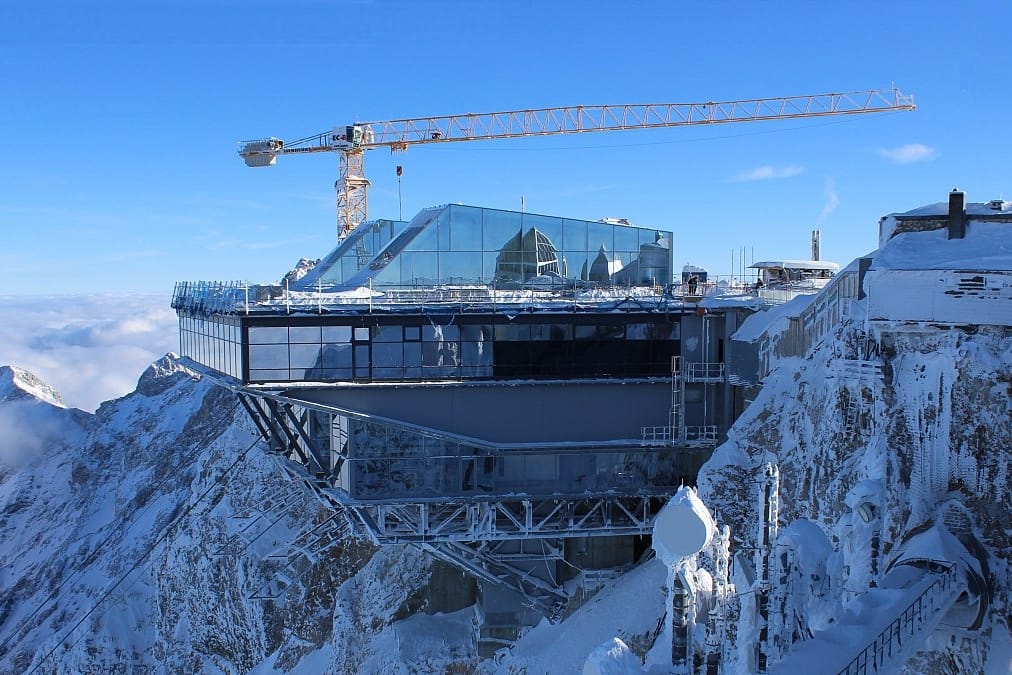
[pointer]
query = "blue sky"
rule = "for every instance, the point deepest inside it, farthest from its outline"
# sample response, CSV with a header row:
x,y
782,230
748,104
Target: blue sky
x,y
120,121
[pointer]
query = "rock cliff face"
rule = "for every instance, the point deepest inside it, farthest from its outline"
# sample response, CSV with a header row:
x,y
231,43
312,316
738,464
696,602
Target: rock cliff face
x,y
135,540
915,421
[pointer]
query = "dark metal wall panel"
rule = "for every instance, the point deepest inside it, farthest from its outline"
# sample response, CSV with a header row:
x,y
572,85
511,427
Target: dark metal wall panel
x,y
520,412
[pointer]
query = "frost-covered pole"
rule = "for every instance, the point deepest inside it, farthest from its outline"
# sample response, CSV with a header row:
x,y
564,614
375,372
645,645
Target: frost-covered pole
x,y
780,592
771,513
681,634
717,628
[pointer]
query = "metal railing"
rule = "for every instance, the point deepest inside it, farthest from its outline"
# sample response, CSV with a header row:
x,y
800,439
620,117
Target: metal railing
x,y
704,372
220,296
656,434
894,640
240,296
805,331
701,435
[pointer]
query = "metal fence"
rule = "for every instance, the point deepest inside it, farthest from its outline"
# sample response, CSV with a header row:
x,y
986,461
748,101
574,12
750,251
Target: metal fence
x,y
894,641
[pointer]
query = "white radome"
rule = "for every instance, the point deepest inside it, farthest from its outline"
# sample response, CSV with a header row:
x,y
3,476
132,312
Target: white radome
x,y
683,528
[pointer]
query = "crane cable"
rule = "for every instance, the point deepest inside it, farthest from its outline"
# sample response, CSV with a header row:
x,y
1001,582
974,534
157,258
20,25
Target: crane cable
x,y
221,480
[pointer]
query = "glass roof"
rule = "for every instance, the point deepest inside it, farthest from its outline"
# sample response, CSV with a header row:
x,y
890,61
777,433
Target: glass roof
x,y
468,245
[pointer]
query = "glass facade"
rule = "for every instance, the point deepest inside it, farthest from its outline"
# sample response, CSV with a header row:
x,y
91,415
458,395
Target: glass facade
x,y
467,346
352,255
453,245
468,245
386,461
215,341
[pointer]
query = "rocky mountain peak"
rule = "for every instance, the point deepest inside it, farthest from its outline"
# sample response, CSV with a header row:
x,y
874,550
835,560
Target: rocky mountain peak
x,y
20,384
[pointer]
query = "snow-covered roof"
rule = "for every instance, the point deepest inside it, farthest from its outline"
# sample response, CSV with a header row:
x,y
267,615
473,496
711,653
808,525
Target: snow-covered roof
x,y
795,265
986,246
941,209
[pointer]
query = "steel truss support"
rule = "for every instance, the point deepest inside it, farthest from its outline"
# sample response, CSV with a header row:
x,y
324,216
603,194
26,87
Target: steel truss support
x,y
467,532
508,518
480,560
285,431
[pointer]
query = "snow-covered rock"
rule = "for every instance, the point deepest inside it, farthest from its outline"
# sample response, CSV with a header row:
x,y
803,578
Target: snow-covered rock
x,y
136,539
19,384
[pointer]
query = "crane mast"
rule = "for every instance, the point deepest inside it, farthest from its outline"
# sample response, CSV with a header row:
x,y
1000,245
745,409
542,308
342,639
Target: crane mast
x,y
351,141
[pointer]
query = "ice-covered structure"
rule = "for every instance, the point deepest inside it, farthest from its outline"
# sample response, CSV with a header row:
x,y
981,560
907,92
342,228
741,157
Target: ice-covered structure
x,y
884,400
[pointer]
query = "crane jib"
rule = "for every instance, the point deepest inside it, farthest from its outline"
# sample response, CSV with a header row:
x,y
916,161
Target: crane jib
x,y
351,140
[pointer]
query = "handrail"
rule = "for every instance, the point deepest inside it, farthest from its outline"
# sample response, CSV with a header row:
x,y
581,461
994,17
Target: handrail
x,y
239,296
912,620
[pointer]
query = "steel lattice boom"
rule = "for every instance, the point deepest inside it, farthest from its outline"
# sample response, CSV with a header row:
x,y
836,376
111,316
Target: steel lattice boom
x,y
352,140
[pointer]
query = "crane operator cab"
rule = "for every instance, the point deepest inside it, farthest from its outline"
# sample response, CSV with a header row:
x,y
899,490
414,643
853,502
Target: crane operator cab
x,y
347,138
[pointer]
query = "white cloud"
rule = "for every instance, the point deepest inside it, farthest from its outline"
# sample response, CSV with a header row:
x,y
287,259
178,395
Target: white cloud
x,y
768,172
832,201
90,348
905,154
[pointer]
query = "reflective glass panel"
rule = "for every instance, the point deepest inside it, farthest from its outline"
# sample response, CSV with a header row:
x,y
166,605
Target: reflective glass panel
x,y
387,354
304,334
550,227
268,375
513,332
362,361
465,223
459,267
426,240
268,335
440,333
419,267
412,353
598,235
387,333
626,238
305,356
268,356
337,356
499,228
337,333
442,226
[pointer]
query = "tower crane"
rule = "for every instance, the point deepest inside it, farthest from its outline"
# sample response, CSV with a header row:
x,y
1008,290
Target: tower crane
x,y
352,140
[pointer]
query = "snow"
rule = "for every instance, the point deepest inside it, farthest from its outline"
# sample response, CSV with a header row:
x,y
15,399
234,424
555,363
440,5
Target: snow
x,y
683,527
986,246
940,209
18,383
773,320
86,497
630,609
796,265
612,658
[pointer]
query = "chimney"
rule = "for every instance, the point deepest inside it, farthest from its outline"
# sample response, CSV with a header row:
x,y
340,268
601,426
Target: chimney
x,y
815,244
957,216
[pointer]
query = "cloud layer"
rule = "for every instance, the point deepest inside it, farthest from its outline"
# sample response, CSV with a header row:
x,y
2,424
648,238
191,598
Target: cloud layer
x,y
768,172
905,154
89,348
